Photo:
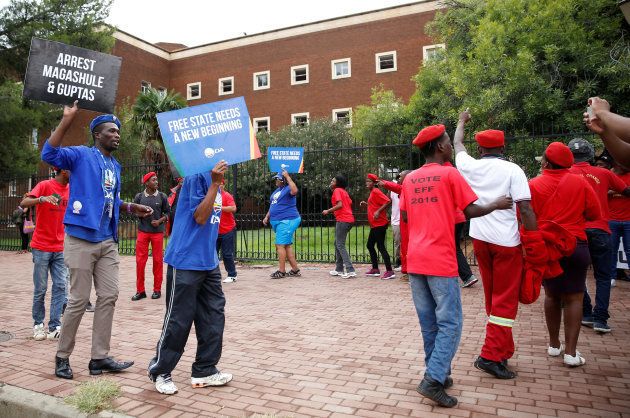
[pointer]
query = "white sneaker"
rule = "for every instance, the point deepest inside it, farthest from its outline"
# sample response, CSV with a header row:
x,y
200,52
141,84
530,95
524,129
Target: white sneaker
x,y
555,352
217,379
613,282
53,334
349,275
229,279
164,384
335,273
574,361
38,332
399,268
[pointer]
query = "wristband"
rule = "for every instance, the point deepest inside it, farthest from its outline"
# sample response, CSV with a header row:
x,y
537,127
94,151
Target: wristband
x,y
129,207
39,199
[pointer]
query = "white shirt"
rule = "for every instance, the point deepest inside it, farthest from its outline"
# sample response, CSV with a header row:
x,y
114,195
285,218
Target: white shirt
x,y
395,208
491,178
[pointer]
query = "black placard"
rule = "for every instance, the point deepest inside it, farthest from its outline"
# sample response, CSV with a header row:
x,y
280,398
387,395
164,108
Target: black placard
x,y
60,73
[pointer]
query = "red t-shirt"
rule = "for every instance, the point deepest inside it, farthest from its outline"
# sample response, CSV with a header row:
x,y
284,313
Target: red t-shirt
x,y
569,206
227,222
49,230
345,213
459,215
619,204
430,196
375,201
601,180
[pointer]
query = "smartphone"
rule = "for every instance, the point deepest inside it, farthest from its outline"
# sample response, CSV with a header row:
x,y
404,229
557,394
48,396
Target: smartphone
x,y
589,110
56,196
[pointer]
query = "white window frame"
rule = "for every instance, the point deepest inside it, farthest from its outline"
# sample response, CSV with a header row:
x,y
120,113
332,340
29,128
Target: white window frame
x,y
377,58
144,86
335,116
297,115
13,188
265,118
426,50
298,67
221,80
334,73
255,80
162,91
189,87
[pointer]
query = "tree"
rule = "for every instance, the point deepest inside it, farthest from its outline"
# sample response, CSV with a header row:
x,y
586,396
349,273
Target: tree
x,y
519,64
144,123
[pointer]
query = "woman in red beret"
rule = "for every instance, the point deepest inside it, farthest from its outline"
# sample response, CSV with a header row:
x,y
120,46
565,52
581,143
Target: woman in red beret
x,y
566,200
377,204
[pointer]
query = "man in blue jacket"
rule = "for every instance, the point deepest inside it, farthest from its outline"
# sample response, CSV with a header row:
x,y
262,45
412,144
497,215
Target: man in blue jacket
x,y
91,242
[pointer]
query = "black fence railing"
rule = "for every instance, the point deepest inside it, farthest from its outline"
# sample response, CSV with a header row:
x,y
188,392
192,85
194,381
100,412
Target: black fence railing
x,y
251,185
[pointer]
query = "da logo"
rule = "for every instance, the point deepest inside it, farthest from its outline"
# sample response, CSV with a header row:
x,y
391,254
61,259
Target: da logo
x,y
76,207
210,152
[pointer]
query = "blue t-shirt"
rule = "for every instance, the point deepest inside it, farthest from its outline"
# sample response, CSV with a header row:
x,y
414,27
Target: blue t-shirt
x,y
283,205
193,246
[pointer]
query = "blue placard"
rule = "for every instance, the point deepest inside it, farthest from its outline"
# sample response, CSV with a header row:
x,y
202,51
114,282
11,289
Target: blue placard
x,y
289,159
198,137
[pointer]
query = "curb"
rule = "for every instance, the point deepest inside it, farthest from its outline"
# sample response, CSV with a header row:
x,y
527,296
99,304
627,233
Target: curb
x,y
23,403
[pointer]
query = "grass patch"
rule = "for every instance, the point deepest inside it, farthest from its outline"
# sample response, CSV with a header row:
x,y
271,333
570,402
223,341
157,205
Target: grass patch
x,y
94,396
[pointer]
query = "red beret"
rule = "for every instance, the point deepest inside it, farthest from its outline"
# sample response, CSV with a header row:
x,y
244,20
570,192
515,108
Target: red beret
x,y
491,138
559,154
148,176
428,134
372,177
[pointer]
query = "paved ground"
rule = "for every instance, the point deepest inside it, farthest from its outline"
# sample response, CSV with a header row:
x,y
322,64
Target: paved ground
x,y
322,346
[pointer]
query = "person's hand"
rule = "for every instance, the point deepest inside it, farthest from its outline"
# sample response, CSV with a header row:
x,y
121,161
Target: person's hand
x,y
504,202
377,213
265,221
218,171
594,125
71,111
155,223
465,116
363,202
49,199
325,212
598,105
141,211
285,174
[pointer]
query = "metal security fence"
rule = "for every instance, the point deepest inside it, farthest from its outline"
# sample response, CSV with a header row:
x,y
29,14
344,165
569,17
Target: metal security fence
x,y
251,184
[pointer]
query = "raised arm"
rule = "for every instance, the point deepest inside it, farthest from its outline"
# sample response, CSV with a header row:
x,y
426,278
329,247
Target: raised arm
x,y
69,113
458,138
205,208
290,182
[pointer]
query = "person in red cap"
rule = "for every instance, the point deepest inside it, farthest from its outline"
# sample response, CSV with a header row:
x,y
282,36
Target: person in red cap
x,y
377,204
496,240
151,231
567,201
619,206
429,196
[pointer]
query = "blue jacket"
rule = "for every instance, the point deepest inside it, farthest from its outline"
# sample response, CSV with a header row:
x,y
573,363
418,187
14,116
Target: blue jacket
x,y
87,201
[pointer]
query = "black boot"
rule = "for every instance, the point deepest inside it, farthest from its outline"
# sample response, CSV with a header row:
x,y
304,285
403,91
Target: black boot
x,y
434,390
495,368
448,382
62,368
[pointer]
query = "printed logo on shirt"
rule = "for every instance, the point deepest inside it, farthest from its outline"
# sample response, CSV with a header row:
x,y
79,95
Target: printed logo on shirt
x,y
216,209
76,207
274,198
426,189
593,177
109,179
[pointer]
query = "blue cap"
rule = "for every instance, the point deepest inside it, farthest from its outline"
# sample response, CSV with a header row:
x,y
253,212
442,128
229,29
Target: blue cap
x,y
278,176
103,119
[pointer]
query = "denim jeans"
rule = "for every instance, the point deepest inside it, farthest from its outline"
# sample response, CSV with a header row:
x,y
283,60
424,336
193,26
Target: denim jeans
x,y
620,231
225,243
600,247
44,261
439,307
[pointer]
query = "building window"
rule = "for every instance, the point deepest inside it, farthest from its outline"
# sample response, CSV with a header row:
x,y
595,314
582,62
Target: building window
x,y
13,188
299,119
430,52
299,74
386,62
193,91
343,115
162,91
34,138
341,68
262,124
144,86
262,80
226,85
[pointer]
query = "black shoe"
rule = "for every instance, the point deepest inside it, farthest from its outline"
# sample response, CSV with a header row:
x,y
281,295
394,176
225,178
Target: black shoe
x,y
448,383
108,365
434,390
156,295
62,368
139,295
504,363
89,307
495,368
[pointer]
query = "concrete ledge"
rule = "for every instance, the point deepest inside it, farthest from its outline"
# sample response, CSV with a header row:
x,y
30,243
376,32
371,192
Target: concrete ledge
x,y
23,403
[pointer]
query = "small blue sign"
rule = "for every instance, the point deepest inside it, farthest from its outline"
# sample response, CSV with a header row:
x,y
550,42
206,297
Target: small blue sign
x,y
289,159
198,137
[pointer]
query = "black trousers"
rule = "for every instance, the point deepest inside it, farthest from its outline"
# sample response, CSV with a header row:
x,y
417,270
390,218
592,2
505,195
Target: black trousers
x,y
377,236
462,264
191,297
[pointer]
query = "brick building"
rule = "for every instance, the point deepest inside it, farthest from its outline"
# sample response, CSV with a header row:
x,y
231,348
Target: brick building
x,y
316,70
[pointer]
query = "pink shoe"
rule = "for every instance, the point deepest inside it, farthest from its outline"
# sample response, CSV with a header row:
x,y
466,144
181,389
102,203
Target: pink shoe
x,y
373,272
388,275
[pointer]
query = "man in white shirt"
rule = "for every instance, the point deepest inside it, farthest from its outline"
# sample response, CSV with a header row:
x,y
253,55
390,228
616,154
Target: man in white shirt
x,y
496,240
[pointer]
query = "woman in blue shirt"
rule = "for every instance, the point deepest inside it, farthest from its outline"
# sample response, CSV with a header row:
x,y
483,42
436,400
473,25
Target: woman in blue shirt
x,y
284,219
